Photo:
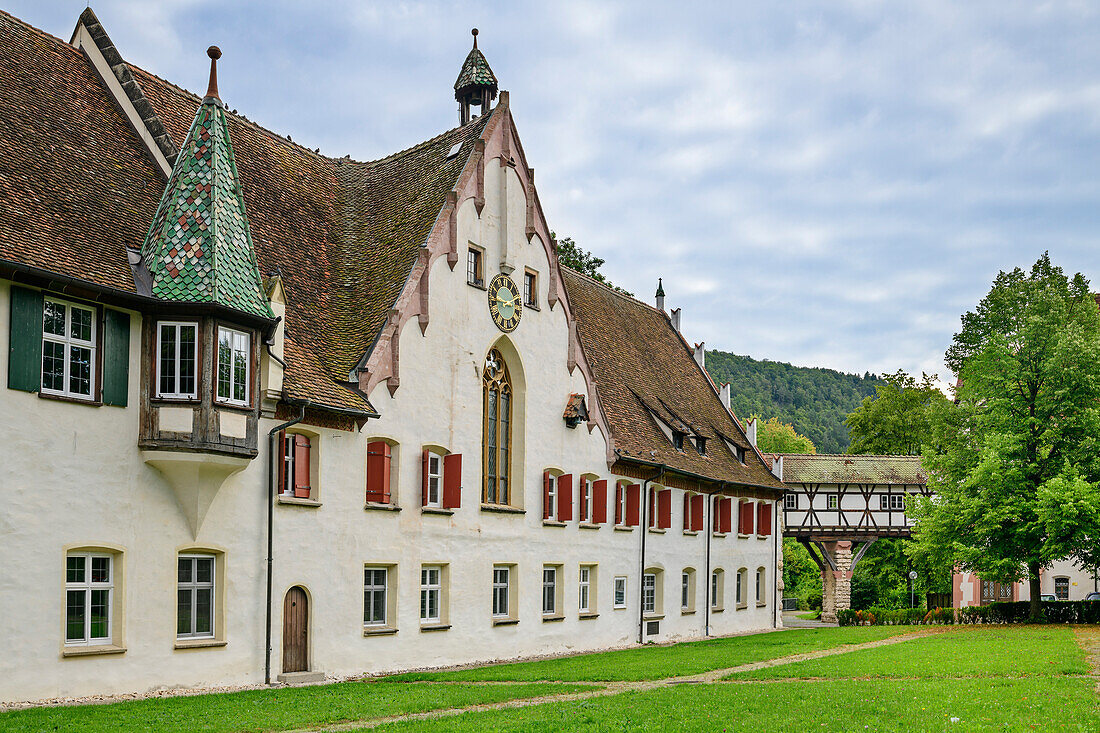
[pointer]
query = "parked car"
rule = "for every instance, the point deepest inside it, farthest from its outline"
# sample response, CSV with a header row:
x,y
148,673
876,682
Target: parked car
x,y
1093,597
1047,597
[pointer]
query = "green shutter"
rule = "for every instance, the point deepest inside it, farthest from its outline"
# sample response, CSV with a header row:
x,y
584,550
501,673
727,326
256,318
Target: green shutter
x,y
25,342
116,357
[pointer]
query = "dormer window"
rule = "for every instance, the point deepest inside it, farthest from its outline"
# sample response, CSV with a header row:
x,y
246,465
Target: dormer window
x,y
701,445
234,366
737,451
177,360
678,439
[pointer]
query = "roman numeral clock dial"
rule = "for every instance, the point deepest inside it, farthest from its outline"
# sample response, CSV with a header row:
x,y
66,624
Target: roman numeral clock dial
x,y
504,305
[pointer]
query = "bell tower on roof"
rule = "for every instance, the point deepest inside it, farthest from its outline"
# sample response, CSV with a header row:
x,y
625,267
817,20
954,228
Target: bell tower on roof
x,y
476,85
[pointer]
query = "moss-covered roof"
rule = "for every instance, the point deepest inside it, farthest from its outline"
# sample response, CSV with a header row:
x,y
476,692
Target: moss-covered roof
x,y
841,468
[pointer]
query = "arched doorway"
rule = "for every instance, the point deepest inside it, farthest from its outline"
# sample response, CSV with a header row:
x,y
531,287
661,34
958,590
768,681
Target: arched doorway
x,y
296,630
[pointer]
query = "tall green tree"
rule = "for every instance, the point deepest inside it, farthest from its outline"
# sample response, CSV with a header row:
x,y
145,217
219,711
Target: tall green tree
x,y
1015,463
577,258
775,436
898,419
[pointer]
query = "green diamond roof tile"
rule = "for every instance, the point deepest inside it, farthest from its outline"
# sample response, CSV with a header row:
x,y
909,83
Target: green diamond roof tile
x,y
475,72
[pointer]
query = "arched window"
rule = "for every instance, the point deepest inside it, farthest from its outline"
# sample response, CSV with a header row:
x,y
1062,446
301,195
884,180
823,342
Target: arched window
x,y
497,436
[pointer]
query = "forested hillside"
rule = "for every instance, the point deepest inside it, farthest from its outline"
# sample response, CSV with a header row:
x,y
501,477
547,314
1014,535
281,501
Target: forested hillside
x,y
816,401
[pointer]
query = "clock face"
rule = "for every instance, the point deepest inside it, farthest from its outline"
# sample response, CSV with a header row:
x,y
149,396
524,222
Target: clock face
x,y
504,303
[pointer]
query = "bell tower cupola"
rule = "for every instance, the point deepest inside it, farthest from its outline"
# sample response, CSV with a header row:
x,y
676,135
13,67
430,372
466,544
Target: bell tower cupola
x,y
476,85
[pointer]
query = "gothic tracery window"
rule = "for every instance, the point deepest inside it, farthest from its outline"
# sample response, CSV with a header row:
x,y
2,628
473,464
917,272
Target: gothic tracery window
x,y
497,435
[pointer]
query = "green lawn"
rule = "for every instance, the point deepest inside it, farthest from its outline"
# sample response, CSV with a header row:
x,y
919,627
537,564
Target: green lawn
x,y
262,710
999,651
657,662
1047,703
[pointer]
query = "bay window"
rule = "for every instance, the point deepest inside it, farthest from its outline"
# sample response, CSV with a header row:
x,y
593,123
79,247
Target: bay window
x,y
177,360
234,366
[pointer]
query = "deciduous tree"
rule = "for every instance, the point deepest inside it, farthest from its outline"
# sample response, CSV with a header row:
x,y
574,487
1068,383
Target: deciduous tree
x,y
775,436
897,421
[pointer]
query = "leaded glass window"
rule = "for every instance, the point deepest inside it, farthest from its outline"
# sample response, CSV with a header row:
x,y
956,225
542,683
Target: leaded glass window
x,y
498,430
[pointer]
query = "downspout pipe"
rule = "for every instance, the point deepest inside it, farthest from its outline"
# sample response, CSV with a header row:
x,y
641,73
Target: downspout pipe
x,y
644,500
270,524
776,600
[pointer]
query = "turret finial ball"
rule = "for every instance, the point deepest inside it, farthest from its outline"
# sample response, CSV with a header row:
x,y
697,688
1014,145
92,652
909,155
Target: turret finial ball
x,y
473,32
214,52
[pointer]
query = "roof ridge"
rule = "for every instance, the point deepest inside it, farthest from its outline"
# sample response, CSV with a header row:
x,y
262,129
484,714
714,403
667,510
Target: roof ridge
x,y
610,288
422,144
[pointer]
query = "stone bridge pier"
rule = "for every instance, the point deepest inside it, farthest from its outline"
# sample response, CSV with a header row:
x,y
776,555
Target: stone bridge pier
x,y
836,561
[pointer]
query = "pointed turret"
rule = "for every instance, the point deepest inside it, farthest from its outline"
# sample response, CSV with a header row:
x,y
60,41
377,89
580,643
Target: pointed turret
x,y
199,248
660,295
476,84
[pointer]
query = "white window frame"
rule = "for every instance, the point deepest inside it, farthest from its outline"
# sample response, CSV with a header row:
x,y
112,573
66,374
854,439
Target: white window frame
x,y
740,587
552,498
549,590
87,585
431,587
502,588
193,587
68,343
622,505
436,477
716,589
475,256
235,347
649,593
374,588
530,289
685,591
832,502
759,585
586,499
1056,596
584,589
177,394
620,591
790,501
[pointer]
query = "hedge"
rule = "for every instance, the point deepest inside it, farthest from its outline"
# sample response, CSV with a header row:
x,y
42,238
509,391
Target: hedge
x,y
1055,612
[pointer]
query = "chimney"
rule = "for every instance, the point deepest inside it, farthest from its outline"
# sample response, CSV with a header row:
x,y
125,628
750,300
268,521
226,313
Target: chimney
x,y
660,295
676,318
777,468
725,394
701,355
750,427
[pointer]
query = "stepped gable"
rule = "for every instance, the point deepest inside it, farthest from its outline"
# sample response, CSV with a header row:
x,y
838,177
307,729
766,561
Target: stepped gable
x,y
199,248
77,186
818,468
641,366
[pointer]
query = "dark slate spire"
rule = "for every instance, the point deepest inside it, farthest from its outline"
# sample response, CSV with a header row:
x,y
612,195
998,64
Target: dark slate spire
x,y
476,84
199,248
660,294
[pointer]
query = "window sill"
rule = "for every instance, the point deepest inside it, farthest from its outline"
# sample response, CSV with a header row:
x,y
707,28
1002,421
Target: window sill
x,y
199,643
623,528
548,619
379,630
618,608
719,534
690,532
479,286
687,611
742,606
586,616
761,536
552,523
74,400
436,510
653,616
234,406
719,609
91,651
741,536
588,525
505,621
531,307
761,604
657,530
501,509
298,501
175,402
434,627
377,506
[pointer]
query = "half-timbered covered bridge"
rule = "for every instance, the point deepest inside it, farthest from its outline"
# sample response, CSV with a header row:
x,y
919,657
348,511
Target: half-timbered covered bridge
x,y
838,505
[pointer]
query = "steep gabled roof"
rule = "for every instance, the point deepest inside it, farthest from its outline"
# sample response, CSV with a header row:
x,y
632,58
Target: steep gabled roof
x,y
818,468
644,370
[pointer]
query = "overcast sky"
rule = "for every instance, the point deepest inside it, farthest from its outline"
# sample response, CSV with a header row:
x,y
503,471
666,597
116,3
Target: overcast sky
x,y
827,184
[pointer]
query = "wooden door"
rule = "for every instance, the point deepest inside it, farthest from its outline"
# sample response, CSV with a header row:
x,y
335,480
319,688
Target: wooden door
x,y
296,631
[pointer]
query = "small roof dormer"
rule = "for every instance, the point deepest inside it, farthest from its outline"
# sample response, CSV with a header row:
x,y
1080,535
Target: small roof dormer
x,y
199,248
476,85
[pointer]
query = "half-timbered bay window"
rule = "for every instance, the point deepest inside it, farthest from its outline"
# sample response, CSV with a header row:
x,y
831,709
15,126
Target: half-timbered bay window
x,y
441,479
195,597
177,360
234,366
89,591
497,435
295,459
68,349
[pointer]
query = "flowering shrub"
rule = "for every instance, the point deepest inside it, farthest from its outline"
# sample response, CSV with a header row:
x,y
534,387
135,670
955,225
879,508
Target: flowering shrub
x,y
1056,612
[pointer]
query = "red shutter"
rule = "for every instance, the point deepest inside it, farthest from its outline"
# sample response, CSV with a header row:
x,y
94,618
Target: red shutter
x,y
697,512
452,481
565,497
744,524
280,467
664,509
378,472
301,466
763,518
425,456
633,505
727,515
545,494
599,501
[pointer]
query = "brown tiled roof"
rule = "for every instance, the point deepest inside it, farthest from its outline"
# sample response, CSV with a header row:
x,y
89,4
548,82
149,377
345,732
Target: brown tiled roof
x,y
77,187
852,469
642,368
